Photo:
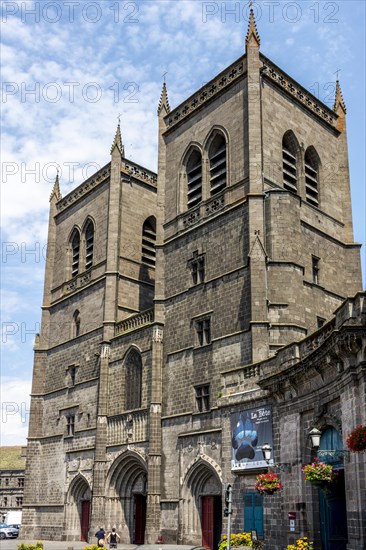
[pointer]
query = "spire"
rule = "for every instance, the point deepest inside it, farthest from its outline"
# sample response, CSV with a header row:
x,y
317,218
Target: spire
x,y
118,140
164,102
56,189
252,33
339,102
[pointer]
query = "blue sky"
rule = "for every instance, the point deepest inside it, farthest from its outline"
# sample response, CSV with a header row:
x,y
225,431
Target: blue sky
x,y
71,67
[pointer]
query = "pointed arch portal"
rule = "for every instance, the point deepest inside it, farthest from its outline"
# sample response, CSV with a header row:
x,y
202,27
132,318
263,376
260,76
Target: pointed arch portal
x,y
77,509
126,497
202,506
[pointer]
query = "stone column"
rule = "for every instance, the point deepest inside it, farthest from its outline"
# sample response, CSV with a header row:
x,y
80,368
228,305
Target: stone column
x,y
154,462
98,518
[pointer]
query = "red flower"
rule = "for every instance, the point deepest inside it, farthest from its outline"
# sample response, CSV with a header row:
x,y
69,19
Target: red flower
x,y
356,441
268,483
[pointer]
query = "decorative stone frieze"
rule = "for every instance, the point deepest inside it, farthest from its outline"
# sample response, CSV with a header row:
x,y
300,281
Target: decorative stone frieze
x,y
223,81
298,92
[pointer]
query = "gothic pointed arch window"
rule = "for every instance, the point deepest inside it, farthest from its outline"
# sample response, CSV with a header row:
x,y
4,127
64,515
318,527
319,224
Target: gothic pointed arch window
x,y
77,322
133,380
75,252
289,161
194,178
89,244
312,163
217,158
149,241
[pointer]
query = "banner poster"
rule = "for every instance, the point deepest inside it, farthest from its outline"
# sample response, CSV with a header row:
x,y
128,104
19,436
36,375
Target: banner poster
x,y
250,430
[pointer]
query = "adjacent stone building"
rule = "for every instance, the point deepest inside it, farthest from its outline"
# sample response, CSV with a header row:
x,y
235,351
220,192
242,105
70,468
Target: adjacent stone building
x,y
188,315
12,466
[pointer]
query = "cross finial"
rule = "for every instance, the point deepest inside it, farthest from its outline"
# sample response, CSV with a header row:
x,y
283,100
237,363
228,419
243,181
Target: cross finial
x,y
164,102
117,142
164,75
337,73
339,105
252,34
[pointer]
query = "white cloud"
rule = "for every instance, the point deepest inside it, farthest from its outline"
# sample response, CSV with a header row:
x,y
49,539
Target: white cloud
x,y
15,403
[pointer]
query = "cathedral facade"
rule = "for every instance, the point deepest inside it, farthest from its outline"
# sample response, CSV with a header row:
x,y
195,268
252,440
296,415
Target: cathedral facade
x,y
194,315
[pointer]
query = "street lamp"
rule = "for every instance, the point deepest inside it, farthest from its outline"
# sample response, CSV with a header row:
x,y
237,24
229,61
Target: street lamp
x,y
267,454
327,455
315,436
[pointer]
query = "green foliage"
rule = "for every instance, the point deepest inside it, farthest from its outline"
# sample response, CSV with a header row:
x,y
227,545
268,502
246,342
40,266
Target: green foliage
x,y
92,547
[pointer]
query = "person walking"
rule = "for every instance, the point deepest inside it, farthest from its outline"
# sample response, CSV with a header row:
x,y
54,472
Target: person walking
x,y
100,534
113,538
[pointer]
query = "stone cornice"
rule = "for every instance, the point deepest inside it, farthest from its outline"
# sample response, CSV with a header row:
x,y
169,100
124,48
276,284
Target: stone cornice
x,y
348,338
89,184
340,339
128,168
205,94
139,172
295,90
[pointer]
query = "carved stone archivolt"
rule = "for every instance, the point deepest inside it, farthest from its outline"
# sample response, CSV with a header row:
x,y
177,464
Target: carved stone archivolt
x,y
201,459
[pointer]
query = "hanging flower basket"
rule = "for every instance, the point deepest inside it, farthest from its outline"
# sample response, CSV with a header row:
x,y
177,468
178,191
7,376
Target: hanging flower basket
x,y
319,473
268,483
356,441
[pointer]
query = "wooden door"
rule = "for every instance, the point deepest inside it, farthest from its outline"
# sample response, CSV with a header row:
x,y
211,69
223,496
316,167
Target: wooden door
x,y
207,522
85,515
333,515
139,519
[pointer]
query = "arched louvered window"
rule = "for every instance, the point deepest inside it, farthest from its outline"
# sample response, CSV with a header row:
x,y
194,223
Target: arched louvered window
x,y
77,322
133,380
217,157
312,176
194,178
75,250
89,244
149,241
289,162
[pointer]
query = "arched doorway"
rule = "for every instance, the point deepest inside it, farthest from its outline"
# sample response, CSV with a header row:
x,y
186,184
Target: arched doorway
x,y
202,506
126,497
332,502
77,510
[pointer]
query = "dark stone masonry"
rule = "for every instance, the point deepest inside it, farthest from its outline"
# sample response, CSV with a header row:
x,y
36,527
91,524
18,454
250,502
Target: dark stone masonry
x,y
192,316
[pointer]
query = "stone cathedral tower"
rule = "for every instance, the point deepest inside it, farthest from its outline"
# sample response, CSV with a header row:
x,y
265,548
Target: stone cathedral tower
x,y
171,304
